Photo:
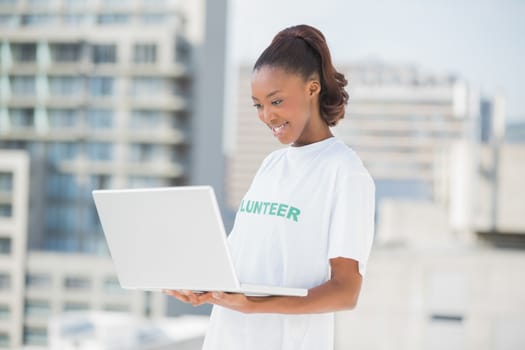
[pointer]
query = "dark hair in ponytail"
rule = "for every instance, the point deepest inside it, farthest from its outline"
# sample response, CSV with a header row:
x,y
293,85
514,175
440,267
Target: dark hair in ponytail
x,y
303,50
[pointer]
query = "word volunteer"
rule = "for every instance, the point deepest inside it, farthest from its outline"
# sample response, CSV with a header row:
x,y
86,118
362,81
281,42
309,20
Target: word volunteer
x,y
270,208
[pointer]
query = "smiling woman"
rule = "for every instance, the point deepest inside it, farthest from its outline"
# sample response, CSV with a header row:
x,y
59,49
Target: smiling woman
x,y
307,219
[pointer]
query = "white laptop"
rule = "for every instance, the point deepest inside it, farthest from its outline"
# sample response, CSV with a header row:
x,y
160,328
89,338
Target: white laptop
x,y
172,238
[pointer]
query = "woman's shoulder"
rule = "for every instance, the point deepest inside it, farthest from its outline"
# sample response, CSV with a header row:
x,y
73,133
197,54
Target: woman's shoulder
x,y
346,159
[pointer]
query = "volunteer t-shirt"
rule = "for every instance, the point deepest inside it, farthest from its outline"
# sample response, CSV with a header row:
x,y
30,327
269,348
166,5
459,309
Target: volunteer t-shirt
x,y
305,206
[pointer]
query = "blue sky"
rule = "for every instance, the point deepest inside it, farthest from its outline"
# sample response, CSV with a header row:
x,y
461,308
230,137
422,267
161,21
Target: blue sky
x,y
481,41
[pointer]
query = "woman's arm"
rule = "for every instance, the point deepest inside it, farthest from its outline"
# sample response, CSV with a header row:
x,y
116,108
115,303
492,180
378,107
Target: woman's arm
x,y
338,293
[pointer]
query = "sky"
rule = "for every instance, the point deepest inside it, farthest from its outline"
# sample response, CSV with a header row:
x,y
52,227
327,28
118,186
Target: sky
x,y
481,41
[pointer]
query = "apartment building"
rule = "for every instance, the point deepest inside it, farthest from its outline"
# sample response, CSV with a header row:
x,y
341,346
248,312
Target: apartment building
x,y
14,179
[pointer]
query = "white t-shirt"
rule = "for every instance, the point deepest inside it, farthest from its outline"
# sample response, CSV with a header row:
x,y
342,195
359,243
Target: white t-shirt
x,y
305,206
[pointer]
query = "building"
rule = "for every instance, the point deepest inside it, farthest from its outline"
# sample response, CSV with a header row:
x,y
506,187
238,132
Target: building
x,y
94,95
14,180
398,118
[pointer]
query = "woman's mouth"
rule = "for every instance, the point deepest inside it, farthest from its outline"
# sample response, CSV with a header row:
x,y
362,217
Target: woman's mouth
x,y
279,129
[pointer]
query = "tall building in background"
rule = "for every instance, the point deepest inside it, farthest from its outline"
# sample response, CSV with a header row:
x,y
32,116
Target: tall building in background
x,y
99,93
398,119
96,94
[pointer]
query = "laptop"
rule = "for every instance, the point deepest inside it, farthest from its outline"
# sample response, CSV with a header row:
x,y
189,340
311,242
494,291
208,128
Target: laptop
x,y
172,238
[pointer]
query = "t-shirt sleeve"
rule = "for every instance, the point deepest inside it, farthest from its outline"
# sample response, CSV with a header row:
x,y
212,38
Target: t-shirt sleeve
x,y
351,230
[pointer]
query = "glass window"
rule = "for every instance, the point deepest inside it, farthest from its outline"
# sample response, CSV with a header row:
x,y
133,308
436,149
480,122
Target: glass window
x,y
116,308
72,282
61,217
60,151
154,18
112,286
5,246
35,336
40,3
75,19
24,53
145,181
4,338
100,118
100,151
63,118
62,53
6,211
99,182
5,281
112,18
66,86
75,306
62,186
38,280
23,85
39,19
145,119
4,312
148,86
141,152
6,182
145,53
101,86
106,53
39,308
8,20
22,118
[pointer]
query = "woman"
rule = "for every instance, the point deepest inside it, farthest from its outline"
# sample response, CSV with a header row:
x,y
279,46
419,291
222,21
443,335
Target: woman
x,y
324,244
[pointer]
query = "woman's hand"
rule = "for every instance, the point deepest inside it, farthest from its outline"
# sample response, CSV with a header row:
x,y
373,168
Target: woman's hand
x,y
188,297
233,301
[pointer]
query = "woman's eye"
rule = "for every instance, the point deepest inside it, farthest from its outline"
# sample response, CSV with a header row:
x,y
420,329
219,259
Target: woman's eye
x,y
257,105
277,102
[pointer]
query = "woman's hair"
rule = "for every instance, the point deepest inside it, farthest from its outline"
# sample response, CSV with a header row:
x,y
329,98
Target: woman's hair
x,y
303,50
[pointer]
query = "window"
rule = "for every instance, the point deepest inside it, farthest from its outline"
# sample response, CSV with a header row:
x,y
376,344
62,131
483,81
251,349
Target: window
x,y
104,54
5,281
66,86
6,182
23,85
101,86
4,339
100,151
141,152
5,312
38,280
61,217
145,119
145,181
112,18
62,118
38,308
60,151
75,306
100,118
8,20
78,283
112,286
5,246
22,118
33,20
24,53
6,211
35,336
148,86
116,308
63,53
145,53
62,186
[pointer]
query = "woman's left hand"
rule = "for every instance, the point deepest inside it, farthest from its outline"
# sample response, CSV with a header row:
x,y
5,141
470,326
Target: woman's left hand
x,y
233,301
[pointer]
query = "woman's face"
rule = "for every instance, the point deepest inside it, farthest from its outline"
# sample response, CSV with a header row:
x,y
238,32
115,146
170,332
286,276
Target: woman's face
x,y
288,105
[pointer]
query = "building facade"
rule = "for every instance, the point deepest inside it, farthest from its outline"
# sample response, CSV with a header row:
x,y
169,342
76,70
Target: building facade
x,y
14,180
100,95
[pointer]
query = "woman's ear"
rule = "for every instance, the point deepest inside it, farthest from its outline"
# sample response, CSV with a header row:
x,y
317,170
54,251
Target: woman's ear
x,y
314,87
